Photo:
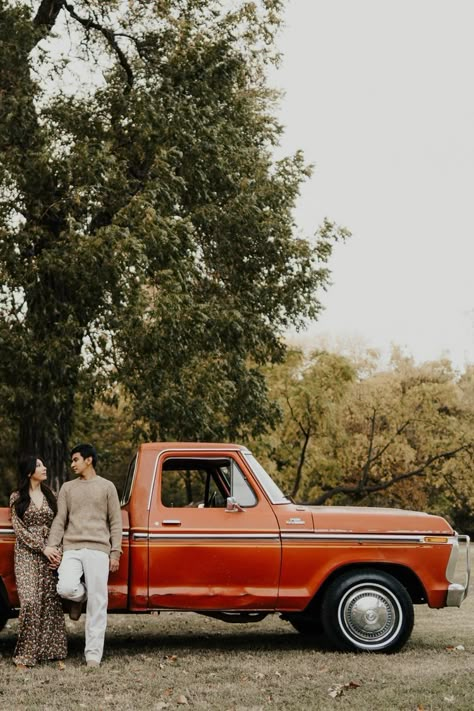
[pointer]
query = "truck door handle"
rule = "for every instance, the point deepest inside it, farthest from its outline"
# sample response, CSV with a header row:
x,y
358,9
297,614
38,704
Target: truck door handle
x,y
171,522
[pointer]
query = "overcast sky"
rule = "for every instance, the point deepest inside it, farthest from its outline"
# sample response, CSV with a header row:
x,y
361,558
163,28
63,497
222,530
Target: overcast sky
x,y
379,95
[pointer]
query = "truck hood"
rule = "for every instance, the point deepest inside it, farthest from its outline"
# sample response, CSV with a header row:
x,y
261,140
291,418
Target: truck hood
x,y
365,519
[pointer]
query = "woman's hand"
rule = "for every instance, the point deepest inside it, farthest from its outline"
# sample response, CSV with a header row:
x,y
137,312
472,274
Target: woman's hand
x,y
53,555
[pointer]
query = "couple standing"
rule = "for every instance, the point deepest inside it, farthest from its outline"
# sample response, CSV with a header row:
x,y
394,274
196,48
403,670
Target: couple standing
x,y
83,543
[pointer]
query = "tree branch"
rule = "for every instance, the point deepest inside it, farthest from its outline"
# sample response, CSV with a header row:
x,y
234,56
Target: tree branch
x,y
358,490
366,468
302,457
307,435
110,36
47,13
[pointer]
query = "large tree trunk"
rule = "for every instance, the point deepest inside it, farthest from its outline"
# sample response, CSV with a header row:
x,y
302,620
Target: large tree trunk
x,y
46,392
51,443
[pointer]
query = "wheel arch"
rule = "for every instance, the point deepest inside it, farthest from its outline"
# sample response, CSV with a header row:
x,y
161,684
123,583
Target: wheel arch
x,y
402,573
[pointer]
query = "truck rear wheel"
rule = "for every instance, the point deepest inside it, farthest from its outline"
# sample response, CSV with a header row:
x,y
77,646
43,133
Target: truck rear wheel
x,y
367,610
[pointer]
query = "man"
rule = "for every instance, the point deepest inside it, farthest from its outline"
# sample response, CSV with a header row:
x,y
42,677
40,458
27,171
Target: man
x,y
89,525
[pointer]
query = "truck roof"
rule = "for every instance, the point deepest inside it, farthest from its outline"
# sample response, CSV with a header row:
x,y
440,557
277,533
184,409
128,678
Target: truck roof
x,y
160,446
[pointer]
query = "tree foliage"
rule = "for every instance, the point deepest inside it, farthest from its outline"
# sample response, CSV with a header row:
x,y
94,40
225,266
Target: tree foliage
x,y
146,233
398,436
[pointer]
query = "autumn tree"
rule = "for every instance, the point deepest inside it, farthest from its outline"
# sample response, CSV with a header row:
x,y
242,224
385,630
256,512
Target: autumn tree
x,y
308,392
399,436
147,243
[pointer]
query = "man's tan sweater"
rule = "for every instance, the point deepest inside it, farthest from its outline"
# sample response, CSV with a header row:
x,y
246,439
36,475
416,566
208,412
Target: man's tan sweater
x,y
89,516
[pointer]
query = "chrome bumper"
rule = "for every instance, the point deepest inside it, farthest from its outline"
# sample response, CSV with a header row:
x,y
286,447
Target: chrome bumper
x,y
459,566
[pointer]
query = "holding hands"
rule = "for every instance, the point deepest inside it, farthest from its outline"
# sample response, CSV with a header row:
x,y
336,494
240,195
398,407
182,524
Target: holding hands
x,y
53,555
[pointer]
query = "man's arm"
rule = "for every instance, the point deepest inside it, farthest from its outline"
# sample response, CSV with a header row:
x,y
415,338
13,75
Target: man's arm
x,y
114,515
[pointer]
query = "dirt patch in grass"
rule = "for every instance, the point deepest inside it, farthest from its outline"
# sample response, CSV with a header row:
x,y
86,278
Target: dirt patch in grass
x,y
178,660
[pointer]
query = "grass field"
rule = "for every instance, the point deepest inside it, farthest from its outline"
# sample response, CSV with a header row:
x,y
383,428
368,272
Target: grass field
x,y
177,660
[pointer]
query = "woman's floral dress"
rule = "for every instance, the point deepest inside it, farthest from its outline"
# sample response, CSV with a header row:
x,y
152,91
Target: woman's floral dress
x,y
42,630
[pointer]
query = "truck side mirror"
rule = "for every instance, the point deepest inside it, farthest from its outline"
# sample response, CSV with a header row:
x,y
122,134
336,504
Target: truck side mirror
x,y
232,506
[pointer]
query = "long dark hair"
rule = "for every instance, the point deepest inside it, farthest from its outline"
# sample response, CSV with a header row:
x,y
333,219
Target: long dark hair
x,y
26,467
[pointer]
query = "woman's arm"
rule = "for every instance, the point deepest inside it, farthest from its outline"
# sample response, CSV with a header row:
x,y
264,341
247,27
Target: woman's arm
x,y
34,541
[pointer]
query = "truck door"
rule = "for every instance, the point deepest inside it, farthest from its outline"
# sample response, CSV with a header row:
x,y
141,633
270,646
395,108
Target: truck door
x,y
203,553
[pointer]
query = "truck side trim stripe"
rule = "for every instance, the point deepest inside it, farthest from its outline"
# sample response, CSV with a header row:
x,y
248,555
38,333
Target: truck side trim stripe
x,y
290,536
367,538
11,532
208,536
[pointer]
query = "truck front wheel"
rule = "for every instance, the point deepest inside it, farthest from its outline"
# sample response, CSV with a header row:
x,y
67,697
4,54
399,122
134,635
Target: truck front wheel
x,y
367,610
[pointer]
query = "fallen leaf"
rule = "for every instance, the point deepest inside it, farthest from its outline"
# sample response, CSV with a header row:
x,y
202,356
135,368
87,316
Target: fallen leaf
x,y
171,658
335,691
181,699
338,689
259,675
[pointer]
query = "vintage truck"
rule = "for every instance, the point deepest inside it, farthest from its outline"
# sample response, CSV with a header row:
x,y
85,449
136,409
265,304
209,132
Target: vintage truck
x,y
206,529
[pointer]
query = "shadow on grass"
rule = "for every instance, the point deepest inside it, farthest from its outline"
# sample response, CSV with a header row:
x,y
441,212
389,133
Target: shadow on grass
x,y
139,638
222,642
137,643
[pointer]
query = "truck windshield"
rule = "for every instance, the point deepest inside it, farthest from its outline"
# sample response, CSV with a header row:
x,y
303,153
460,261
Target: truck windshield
x,y
273,491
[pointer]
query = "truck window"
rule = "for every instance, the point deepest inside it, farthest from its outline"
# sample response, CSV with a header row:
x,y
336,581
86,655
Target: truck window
x,y
127,489
203,483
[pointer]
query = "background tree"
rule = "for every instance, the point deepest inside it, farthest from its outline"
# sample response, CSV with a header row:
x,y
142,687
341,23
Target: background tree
x,y
146,233
399,436
309,393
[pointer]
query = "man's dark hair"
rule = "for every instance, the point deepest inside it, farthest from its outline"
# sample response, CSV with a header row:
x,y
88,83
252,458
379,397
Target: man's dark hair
x,y
85,450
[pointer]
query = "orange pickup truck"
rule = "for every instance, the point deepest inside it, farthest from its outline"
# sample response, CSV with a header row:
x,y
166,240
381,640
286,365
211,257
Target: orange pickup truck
x,y
207,530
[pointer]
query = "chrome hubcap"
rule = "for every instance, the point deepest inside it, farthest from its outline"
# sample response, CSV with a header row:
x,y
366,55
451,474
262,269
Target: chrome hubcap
x,y
370,616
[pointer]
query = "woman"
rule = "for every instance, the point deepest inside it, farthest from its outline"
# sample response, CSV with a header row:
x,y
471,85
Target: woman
x,y
42,631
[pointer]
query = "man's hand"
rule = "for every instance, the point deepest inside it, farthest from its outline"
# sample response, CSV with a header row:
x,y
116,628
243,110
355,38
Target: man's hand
x,y
114,565
53,555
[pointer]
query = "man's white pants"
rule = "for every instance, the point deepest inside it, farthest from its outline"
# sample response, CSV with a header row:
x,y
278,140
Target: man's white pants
x,y
94,566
